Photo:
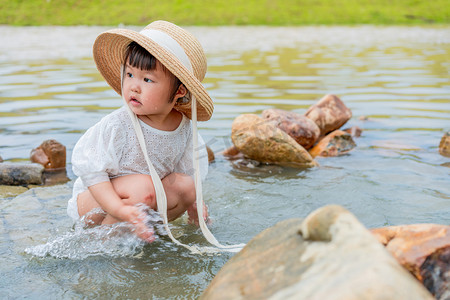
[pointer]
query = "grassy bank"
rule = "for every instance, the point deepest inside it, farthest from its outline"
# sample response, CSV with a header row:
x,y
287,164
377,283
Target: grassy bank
x,y
224,12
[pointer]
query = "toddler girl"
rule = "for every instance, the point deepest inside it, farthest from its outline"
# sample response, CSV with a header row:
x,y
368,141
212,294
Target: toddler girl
x,y
143,151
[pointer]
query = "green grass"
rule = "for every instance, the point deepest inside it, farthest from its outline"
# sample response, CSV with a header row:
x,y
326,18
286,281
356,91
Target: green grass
x,y
224,12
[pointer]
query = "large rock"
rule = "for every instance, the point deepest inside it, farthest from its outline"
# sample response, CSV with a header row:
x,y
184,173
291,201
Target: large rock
x,y
423,249
261,140
51,154
444,145
330,255
302,129
21,174
330,113
334,144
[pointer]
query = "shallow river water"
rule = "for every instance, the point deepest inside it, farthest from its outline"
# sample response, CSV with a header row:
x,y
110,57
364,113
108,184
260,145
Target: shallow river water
x,y
394,79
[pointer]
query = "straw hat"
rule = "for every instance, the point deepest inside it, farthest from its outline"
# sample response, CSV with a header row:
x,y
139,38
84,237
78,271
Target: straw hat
x,y
178,50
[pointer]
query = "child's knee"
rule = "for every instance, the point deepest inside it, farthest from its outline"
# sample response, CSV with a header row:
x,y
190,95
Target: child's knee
x,y
187,190
147,197
137,189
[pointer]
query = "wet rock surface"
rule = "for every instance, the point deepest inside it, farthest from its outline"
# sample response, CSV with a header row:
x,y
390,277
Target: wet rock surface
x,y
302,129
32,208
323,257
334,144
330,113
262,141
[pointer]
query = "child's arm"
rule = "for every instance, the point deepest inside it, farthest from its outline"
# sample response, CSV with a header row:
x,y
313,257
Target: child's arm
x,y
113,205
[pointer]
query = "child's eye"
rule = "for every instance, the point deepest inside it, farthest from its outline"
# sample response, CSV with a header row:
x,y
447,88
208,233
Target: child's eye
x,y
147,80
129,75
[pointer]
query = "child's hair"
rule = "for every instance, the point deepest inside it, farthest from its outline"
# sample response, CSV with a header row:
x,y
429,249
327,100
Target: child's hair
x,y
137,57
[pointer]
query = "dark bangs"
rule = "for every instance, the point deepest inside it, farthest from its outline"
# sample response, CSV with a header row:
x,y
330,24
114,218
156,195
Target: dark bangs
x,y
137,57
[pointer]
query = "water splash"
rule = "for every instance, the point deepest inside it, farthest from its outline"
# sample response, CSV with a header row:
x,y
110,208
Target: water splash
x,y
116,240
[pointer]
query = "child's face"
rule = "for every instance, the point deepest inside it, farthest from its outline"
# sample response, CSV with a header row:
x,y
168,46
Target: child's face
x,y
147,92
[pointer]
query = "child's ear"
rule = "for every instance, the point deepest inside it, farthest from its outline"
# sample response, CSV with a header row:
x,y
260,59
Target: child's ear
x,y
181,92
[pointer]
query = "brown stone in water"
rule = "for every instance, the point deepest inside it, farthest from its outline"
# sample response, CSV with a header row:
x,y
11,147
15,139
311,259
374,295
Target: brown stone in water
x,y
1,159
261,140
302,129
354,131
334,144
232,153
412,244
51,154
210,154
330,113
444,145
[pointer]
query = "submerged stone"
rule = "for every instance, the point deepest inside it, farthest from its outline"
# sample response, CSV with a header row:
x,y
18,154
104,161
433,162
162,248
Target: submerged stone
x,y
261,140
444,145
302,129
211,156
354,131
330,113
8,191
232,153
329,255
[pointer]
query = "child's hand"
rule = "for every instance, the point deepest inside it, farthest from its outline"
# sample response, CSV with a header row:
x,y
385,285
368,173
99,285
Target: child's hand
x,y
136,217
193,215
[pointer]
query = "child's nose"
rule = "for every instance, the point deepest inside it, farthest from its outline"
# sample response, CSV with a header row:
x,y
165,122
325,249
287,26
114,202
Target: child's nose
x,y
135,87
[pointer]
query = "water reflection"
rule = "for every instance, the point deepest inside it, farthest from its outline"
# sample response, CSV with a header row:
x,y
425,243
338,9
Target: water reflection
x,y
396,78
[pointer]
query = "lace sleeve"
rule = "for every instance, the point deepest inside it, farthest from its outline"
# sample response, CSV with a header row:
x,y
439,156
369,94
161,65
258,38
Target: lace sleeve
x,y
96,155
185,165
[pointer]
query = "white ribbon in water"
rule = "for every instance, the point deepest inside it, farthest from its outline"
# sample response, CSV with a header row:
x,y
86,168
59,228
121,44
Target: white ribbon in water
x,y
168,43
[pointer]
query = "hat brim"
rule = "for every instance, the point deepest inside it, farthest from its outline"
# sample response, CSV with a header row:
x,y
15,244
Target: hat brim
x,y
109,51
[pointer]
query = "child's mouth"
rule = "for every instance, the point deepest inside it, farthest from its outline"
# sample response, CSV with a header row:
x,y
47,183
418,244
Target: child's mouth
x,y
134,100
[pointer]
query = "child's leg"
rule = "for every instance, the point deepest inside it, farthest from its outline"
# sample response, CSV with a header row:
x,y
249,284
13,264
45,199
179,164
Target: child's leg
x,y
138,188
180,192
132,189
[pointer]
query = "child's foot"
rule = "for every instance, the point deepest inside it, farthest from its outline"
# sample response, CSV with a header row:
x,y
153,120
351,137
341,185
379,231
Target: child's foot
x,y
193,215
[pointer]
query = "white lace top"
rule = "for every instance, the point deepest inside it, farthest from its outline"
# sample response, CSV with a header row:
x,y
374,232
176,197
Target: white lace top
x,y
110,149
